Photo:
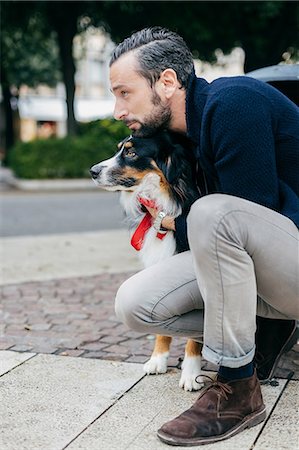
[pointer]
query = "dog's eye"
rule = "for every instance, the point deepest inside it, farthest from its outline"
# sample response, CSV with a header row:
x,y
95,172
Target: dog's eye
x,y
129,153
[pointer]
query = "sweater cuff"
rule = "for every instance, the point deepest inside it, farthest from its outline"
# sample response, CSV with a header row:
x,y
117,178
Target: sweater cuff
x,y
181,233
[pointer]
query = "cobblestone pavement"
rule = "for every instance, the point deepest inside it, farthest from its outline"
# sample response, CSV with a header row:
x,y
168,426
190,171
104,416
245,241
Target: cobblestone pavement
x,y
75,317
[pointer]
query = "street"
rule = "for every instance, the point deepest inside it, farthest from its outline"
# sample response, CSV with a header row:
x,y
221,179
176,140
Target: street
x,y
33,213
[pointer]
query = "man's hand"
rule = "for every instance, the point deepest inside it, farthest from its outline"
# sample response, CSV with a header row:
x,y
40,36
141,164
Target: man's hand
x,y
167,222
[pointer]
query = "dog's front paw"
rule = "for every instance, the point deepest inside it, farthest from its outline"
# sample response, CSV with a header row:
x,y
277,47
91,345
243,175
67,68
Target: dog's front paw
x,y
191,383
157,364
190,379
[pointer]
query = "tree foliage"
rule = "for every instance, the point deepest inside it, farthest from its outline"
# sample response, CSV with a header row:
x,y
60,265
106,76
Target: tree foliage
x,y
29,55
37,36
29,50
264,29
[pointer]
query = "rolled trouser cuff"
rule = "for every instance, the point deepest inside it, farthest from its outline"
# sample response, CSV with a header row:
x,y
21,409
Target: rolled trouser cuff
x,y
227,361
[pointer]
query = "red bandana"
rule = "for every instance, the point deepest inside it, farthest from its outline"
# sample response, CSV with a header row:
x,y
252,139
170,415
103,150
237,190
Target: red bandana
x,y
145,224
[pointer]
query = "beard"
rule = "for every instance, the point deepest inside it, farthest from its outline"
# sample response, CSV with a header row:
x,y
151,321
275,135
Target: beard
x,y
159,119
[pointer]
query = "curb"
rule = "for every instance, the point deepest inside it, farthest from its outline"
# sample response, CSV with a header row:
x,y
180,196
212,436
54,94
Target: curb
x,y
8,182
55,185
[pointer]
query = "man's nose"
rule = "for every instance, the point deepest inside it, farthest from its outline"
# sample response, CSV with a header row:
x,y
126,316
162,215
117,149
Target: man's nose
x,y
119,112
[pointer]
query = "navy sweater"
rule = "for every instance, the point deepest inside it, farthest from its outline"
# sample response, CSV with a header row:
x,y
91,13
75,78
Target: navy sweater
x,y
247,143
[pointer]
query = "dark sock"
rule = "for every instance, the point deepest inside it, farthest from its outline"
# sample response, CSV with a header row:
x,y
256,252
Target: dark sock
x,y
237,373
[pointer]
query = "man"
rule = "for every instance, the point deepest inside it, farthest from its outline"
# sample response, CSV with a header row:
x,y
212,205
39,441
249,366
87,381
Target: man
x,y
242,232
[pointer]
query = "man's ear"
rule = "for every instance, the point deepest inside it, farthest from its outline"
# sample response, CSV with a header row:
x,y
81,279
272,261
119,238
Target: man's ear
x,y
168,82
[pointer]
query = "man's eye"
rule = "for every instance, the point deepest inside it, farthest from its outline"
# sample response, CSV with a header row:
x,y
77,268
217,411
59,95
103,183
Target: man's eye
x,y
124,93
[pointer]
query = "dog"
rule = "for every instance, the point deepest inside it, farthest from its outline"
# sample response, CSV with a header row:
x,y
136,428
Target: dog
x,y
159,172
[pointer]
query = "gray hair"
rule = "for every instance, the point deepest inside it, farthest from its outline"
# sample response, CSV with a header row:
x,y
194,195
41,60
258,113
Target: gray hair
x,y
158,49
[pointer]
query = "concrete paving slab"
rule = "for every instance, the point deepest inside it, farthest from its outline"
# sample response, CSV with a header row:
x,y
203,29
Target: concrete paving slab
x,y
133,421
66,255
282,432
10,360
47,401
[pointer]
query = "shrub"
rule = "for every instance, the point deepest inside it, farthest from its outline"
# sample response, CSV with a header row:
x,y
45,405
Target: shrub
x,y
70,157
113,128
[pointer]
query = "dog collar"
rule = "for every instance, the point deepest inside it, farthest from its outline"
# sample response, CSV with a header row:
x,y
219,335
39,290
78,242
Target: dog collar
x,y
138,237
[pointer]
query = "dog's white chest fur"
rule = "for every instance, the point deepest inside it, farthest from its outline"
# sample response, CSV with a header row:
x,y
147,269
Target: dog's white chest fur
x,y
153,249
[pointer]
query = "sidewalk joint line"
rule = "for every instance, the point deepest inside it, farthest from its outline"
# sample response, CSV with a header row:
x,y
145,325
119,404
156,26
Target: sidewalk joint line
x,y
289,378
18,365
104,412
143,428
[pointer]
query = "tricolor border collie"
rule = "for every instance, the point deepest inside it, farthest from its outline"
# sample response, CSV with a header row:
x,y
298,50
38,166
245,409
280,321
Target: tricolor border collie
x,y
159,172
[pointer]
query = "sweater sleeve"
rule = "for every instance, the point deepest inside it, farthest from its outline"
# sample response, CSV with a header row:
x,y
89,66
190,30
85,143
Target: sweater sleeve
x,y
243,147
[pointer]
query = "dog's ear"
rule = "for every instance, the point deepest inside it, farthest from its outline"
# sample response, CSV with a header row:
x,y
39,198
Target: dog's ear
x,y
178,163
127,143
176,166
175,158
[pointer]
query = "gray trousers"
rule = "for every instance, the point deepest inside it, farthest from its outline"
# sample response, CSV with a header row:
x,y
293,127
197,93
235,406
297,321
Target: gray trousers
x,y
243,262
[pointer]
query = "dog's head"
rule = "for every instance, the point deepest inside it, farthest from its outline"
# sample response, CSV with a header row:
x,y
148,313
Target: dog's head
x,y
166,154
125,171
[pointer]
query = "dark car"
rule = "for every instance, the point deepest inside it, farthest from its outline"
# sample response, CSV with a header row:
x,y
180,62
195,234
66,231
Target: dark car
x,y
284,77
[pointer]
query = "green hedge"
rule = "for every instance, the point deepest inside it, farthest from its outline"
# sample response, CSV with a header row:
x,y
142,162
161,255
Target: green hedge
x,y
70,157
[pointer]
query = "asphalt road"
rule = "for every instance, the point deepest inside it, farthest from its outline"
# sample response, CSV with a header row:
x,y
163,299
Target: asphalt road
x,y
26,214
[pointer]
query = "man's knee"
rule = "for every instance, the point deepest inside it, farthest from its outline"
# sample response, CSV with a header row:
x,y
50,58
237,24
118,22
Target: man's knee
x,y
205,217
128,305
209,208
205,211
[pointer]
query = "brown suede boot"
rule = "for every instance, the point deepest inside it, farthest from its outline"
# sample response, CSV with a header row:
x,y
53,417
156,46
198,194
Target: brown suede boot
x,y
221,411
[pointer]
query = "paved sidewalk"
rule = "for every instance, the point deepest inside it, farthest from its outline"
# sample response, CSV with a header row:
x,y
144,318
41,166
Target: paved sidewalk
x,y
51,402
71,374
72,316
75,317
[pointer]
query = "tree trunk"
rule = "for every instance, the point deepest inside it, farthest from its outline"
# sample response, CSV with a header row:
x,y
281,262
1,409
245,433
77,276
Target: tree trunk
x,y
9,138
65,26
65,41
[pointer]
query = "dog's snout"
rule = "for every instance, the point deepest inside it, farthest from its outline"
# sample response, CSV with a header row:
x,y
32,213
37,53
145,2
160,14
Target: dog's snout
x,y
95,171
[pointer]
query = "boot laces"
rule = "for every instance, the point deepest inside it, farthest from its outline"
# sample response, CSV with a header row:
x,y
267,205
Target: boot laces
x,y
223,388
